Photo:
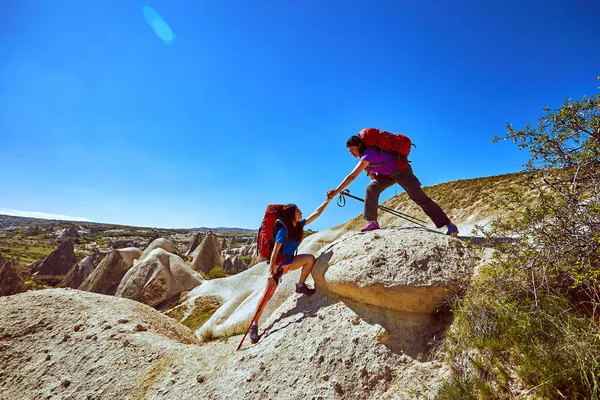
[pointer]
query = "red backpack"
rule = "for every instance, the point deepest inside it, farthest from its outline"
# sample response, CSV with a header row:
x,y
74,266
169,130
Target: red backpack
x,y
266,233
393,142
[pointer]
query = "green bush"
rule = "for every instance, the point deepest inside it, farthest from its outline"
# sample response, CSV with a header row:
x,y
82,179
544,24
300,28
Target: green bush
x,y
528,325
217,272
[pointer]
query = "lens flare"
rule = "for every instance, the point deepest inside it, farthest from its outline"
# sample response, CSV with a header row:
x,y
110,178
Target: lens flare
x,y
158,24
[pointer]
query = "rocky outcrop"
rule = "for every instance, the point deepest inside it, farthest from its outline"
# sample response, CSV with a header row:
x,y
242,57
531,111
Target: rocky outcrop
x,y
208,254
156,278
87,346
11,281
80,272
228,265
342,342
159,243
68,234
196,240
224,244
106,276
238,265
410,270
57,264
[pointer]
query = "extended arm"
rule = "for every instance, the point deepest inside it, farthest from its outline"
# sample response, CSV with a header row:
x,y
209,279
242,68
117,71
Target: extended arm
x,y
360,167
318,211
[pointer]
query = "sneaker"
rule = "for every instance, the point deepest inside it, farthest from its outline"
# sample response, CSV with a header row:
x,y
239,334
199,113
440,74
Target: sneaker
x,y
371,226
452,229
305,289
254,333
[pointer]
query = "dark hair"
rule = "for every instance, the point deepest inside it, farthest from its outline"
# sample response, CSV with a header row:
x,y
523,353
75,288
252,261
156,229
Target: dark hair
x,y
293,231
357,141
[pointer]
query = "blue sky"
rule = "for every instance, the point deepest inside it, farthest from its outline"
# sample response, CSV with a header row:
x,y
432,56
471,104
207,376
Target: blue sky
x,y
253,101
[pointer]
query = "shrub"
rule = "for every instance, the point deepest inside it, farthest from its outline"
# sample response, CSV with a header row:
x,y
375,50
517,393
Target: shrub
x,y
217,272
528,325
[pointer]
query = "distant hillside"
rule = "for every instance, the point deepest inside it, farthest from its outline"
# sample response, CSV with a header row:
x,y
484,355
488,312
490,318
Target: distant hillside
x,y
468,202
10,221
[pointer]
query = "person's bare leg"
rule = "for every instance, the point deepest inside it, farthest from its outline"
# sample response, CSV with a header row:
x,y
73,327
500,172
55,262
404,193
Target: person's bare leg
x,y
304,261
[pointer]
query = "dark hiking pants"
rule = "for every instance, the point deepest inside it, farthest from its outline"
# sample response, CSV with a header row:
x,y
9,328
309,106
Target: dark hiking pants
x,y
412,186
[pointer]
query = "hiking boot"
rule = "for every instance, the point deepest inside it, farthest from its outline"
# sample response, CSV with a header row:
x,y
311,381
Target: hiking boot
x,y
305,289
254,333
371,226
452,230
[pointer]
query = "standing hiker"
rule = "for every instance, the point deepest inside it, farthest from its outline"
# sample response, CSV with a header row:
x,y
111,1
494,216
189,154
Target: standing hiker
x,y
289,232
385,169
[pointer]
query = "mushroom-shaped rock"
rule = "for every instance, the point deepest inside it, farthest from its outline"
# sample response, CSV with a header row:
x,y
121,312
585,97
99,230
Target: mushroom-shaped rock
x,y
156,278
208,254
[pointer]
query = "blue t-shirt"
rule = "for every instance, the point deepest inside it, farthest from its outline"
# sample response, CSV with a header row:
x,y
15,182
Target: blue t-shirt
x,y
289,246
386,160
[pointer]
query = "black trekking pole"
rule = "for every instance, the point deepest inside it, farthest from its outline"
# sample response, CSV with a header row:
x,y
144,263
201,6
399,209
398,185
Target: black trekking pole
x,y
342,202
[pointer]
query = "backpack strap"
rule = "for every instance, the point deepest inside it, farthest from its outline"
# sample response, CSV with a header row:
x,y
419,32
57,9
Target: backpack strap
x,y
276,226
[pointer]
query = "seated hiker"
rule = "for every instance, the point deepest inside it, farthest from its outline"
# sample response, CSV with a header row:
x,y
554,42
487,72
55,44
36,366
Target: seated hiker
x,y
288,236
382,168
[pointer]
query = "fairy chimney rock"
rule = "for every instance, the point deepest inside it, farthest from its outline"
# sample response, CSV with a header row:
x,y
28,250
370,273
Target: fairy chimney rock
x,y
196,240
68,234
238,264
11,281
228,265
58,263
108,274
157,277
208,254
80,272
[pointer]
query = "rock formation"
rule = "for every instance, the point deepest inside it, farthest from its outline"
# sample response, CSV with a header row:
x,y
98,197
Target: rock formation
x,y
157,277
159,243
208,254
238,264
108,274
196,240
80,272
228,265
68,234
57,264
11,281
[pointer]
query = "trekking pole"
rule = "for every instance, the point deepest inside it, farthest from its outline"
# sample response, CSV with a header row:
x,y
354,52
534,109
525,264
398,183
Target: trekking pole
x,y
265,297
409,218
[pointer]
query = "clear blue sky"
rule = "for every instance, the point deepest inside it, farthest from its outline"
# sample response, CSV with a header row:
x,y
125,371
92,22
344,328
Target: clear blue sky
x,y
252,102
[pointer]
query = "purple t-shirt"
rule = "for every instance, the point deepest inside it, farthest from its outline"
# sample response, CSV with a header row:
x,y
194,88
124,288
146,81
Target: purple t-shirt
x,y
386,161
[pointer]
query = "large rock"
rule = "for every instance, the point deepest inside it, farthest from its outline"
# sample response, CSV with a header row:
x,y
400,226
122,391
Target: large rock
x,y
330,346
196,240
228,265
58,263
80,272
238,264
208,254
156,278
106,276
410,270
70,233
11,281
160,243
